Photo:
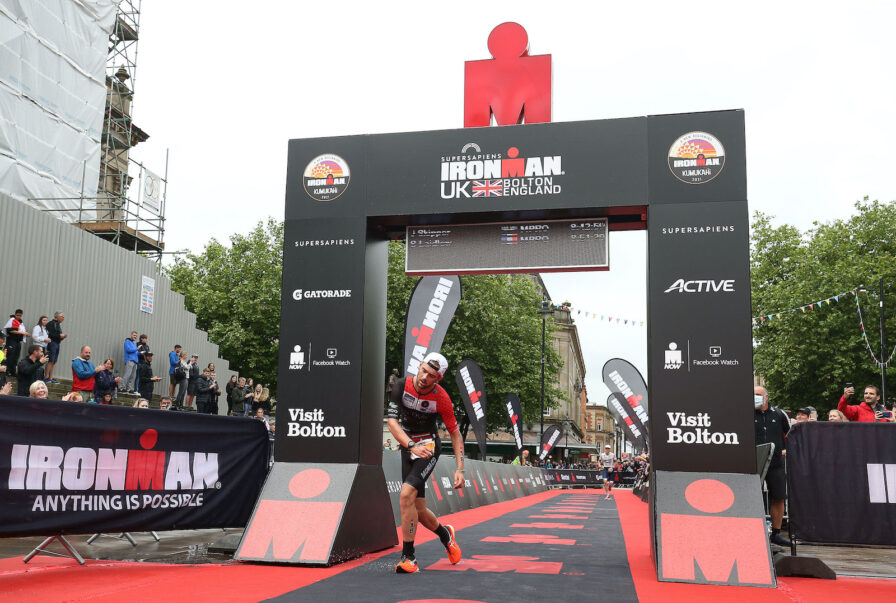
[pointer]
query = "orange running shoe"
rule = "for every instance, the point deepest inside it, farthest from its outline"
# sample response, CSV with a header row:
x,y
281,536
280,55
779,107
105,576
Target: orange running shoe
x,y
454,553
407,566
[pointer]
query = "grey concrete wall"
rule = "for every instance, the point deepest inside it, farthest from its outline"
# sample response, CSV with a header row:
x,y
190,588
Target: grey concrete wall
x,y
47,265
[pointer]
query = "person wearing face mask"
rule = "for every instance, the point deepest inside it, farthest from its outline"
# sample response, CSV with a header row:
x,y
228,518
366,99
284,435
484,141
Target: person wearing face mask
x,y
772,426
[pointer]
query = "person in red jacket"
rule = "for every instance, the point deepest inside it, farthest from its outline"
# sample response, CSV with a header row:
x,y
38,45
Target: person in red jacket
x,y
867,411
84,373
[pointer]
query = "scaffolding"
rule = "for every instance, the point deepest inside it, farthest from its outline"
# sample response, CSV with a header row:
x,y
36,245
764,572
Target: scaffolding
x,y
129,216
134,221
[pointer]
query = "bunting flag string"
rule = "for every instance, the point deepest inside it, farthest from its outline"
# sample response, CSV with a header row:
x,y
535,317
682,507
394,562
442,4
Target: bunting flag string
x,y
804,308
834,298
594,315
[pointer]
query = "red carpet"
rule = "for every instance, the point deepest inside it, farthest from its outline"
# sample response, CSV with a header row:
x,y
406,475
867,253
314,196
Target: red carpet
x,y
47,578
55,579
636,529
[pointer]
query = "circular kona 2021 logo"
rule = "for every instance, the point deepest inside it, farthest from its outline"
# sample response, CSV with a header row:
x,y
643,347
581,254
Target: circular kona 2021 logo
x,y
696,157
326,177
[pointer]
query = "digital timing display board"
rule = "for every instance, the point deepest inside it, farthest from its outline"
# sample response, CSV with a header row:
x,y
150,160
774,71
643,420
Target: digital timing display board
x,y
548,246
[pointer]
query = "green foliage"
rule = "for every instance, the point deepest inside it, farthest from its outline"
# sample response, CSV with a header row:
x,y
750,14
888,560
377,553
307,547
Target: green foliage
x,y
234,291
497,324
807,357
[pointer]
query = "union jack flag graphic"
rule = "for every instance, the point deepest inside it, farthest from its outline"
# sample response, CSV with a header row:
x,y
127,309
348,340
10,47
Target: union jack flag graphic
x,y
487,188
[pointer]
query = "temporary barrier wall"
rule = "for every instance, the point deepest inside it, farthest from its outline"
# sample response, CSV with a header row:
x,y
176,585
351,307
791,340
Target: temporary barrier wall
x,y
50,266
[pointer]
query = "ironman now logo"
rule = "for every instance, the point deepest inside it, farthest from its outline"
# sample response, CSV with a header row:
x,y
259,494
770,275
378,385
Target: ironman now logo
x,y
696,157
326,177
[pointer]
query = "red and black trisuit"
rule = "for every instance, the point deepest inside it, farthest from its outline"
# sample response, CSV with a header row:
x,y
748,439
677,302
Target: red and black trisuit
x,y
418,415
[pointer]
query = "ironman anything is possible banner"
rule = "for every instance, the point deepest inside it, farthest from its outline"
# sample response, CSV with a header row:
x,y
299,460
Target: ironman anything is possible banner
x,y
70,468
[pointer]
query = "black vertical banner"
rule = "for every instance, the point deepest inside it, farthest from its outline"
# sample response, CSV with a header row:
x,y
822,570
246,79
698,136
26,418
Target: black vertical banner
x,y
700,352
515,413
634,432
472,391
548,440
430,310
622,378
321,340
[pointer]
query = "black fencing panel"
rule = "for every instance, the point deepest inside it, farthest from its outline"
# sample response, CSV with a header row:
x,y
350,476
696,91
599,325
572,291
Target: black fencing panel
x,y
80,468
841,482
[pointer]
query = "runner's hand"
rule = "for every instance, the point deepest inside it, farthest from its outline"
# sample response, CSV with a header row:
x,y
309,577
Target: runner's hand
x,y
458,479
421,451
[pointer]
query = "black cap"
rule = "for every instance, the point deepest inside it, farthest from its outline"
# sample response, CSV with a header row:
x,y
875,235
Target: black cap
x,y
804,411
148,354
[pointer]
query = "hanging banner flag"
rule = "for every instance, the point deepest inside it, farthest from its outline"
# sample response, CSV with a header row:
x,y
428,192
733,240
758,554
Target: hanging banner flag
x,y
472,391
430,310
550,437
515,412
621,376
633,433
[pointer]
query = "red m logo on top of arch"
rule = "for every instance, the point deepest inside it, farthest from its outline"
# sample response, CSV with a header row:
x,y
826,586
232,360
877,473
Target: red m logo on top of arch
x,y
512,86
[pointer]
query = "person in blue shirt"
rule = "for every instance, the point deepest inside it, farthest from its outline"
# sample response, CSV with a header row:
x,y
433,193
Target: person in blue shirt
x,y
131,357
173,361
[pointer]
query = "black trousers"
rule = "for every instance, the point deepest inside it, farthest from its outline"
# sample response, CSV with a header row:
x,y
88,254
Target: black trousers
x,y
13,349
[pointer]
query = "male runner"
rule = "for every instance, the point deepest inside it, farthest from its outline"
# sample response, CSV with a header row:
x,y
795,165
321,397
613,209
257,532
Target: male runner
x,y
607,458
413,412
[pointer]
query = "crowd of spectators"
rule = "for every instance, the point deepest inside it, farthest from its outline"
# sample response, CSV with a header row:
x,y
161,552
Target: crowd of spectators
x,y
100,383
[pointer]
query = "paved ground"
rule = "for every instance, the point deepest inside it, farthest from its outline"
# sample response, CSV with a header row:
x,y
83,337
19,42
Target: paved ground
x,y
564,545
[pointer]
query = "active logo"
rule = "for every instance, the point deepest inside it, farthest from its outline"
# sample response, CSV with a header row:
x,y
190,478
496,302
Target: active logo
x,y
701,286
300,294
326,177
498,174
696,157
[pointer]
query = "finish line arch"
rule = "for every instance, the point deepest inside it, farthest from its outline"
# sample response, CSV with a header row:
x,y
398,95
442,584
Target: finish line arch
x,y
346,195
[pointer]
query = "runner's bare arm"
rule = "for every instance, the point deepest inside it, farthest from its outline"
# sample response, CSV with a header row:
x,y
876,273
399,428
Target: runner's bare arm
x,y
457,442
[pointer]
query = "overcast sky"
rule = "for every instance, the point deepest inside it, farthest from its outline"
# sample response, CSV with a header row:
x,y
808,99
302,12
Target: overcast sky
x,y
225,89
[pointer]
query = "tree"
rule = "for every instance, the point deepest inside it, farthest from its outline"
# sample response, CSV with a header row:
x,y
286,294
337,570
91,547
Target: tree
x,y
806,356
497,324
234,291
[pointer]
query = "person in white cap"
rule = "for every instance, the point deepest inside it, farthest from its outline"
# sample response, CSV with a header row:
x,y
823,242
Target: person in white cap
x,y
607,459
413,413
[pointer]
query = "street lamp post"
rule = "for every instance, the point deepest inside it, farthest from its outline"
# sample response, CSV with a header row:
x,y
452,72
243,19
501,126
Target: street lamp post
x,y
566,430
883,348
544,311
883,342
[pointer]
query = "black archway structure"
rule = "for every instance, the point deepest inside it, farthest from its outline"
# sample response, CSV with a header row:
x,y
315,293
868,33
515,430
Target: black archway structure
x,y
707,518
